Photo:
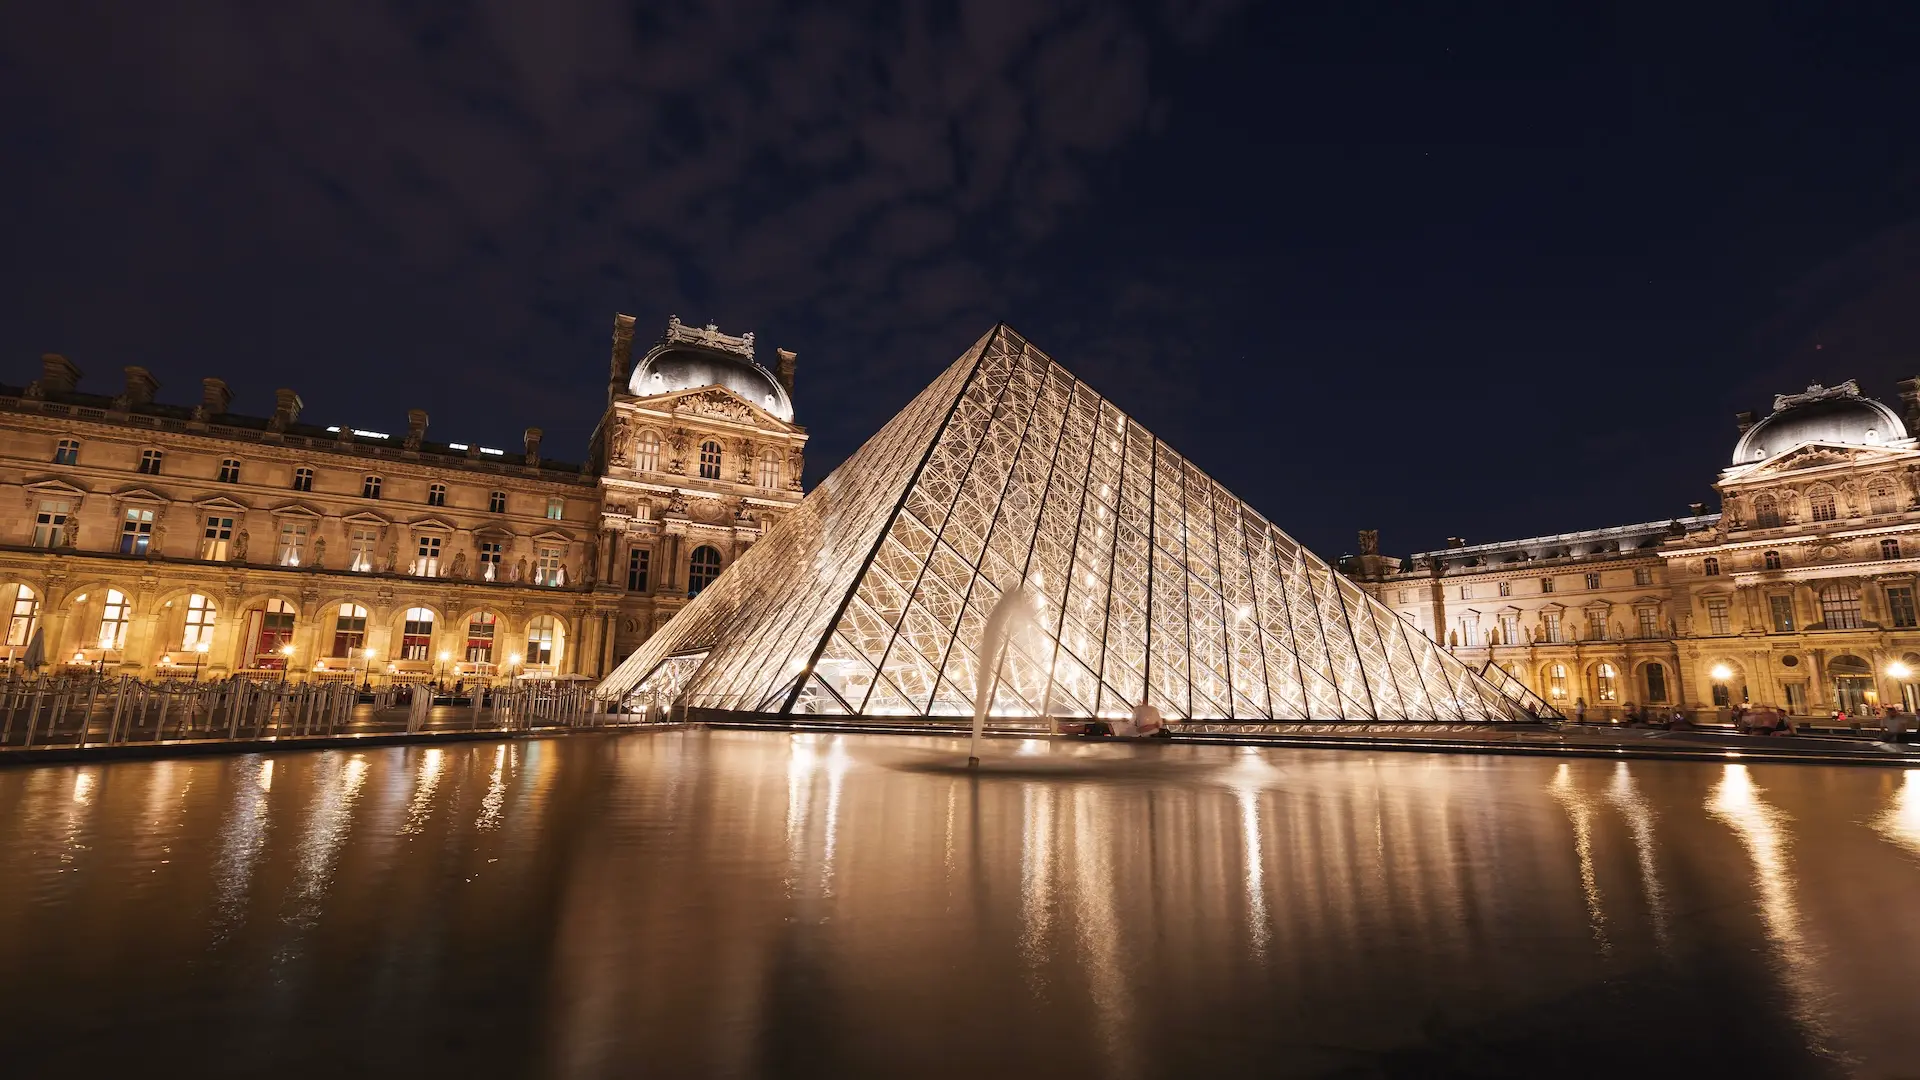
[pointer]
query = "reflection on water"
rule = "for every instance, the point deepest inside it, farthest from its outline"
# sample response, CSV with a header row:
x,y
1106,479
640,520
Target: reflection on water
x,y
742,904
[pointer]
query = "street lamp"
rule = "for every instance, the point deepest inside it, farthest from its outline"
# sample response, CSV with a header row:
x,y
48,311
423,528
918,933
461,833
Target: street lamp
x,y
199,654
514,668
166,666
438,665
1721,673
286,661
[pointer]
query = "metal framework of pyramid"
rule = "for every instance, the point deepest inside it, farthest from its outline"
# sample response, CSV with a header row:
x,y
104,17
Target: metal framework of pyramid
x,y
1149,581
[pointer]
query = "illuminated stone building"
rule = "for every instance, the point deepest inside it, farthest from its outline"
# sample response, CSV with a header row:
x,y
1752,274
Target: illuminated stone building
x,y
1800,593
157,538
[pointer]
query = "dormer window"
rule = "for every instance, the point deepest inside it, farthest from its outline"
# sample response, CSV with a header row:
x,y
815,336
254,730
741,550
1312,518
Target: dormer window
x,y
1873,436
437,495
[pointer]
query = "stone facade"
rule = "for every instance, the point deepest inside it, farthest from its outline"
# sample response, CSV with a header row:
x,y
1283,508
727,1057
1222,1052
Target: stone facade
x,y
153,538
1800,594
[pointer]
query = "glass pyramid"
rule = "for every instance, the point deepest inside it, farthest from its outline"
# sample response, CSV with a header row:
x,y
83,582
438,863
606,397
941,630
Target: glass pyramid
x,y
1149,581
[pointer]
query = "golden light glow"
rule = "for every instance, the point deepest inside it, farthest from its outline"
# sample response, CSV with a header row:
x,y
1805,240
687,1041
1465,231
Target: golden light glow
x,y
1721,673
1898,670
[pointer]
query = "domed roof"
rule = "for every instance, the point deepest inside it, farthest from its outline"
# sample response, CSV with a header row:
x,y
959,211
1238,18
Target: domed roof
x,y
689,358
1835,415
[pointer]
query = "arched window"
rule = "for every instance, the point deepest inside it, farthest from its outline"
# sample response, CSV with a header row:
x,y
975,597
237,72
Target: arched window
x,y
646,456
1656,683
416,635
1822,503
349,631
1605,683
1712,566
480,638
709,460
770,471
1771,560
198,629
1557,681
25,617
1840,606
272,634
702,569
1766,512
542,634
114,618
1880,496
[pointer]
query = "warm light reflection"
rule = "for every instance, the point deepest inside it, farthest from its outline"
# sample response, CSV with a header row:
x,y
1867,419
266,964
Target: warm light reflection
x,y
421,806
243,837
1625,796
1901,821
1036,882
1737,801
496,791
1580,813
83,784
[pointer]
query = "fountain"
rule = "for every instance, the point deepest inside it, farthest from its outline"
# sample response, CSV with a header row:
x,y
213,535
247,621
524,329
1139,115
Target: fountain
x,y
1009,613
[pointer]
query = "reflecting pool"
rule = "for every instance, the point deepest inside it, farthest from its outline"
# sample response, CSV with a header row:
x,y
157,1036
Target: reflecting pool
x,y
744,904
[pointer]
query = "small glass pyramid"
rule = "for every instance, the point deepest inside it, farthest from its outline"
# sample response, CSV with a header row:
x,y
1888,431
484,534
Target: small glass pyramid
x,y
1149,581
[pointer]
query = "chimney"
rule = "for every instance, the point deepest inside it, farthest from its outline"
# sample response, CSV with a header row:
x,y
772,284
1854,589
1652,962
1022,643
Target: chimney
x,y
416,428
622,356
57,373
1910,396
140,386
286,410
533,437
1697,509
1456,541
1745,420
783,371
214,396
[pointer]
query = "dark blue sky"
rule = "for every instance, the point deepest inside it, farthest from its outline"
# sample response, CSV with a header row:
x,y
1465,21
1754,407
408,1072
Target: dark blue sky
x,y
1492,272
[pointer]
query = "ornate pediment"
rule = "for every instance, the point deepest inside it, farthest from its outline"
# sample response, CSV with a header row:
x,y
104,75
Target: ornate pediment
x,y
140,495
221,504
296,510
365,517
714,402
431,524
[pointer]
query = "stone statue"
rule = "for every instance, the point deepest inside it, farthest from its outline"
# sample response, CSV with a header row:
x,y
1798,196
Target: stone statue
x,y
319,552
239,552
70,534
460,564
620,445
677,504
520,569
1369,541
393,556
159,542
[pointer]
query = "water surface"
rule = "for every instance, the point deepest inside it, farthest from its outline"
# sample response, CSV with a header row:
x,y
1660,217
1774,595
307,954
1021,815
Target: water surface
x,y
744,904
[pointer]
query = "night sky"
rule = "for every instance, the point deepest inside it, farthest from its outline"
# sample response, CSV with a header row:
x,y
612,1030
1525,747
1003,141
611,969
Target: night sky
x,y
1490,273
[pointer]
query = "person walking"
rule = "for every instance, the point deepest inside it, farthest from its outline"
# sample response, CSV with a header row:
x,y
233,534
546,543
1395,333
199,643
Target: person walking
x,y
1580,710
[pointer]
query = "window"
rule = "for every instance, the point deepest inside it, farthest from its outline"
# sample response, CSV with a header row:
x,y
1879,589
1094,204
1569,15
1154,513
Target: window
x,y
1596,626
1593,581
709,460
1649,622
637,569
1780,613
1797,698
1551,621
1506,588
199,623
136,532
1466,592
646,456
1890,549
489,560
66,452
24,618
370,487
540,637
1605,683
216,539
50,524
1470,631
497,503
1643,575
275,637
1900,610
702,568
1721,696
770,471
349,631
480,638
1823,505
426,562
416,635
1656,683
113,620
1510,630
556,509
1766,512
1771,560
1717,615
230,471
1711,566
436,495
1881,498
1840,606
150,462
361,541
1557,681
293,542
1546,584
547,569
303,479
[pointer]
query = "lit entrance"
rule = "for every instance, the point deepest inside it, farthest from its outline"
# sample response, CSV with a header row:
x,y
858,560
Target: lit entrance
x,y
1853,688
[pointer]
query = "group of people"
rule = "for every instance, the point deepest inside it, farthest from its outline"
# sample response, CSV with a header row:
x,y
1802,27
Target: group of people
x,y
1639,715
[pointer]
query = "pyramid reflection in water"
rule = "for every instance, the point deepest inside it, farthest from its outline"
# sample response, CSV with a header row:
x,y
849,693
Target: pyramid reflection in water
x,y
1149,580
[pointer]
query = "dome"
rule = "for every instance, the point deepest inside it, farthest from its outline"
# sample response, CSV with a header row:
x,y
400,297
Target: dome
x,y
1837,416
692,358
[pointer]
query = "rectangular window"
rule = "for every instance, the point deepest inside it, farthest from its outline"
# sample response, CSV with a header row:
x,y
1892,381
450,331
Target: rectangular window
x,y
349,630
198,629
480,639
303,479
549,571
1546,584
370,487
1506,588
67,452
1596,626
1649,622
113,620
416,635
1593,581
1643,575
1840,607
1510,630
1780,611
770,471
556,508
1466,592
497,503
489,560
293,543
426,562
361,541
1470,631
637,569
1716,615
230,471
24,618
1551,620
136,532
150,462
437,495
50,524
218,535
1796,698
1890,549
1900,610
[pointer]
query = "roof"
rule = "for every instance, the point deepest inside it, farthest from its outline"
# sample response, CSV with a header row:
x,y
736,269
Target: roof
x,y
691,357
1835,415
